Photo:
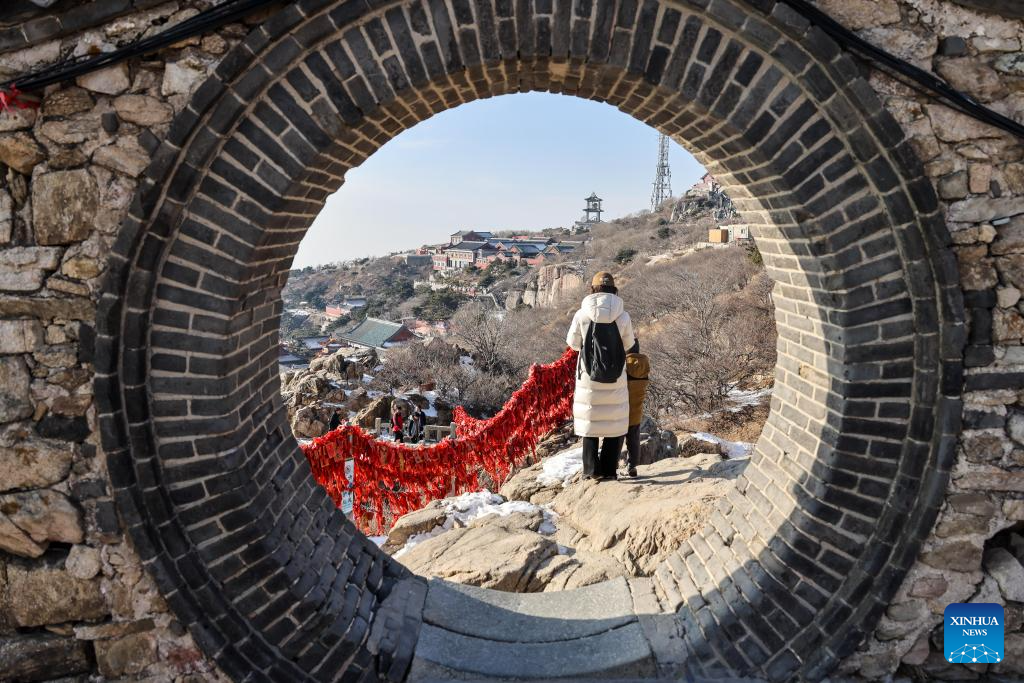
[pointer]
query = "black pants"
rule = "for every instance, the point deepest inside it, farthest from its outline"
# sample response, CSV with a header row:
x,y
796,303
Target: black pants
x,y
605,463
633,446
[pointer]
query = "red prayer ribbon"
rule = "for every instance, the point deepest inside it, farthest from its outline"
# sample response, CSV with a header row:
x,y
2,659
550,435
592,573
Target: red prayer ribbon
x,y
395,478
12,98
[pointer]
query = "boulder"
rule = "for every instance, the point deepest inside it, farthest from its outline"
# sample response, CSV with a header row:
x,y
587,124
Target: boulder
x,y
42,656
64,206
125,656
21,152
182,76
6,216
379,407
1007,571
928,587
575,569
357,399
656,443
490,555
334,365
308,423
24,335
45,515
83,562
110,81
45,595
688,446
309,389
130,160
416,522
22,269
958,555
143,110
445,412
16,541
861,14
66,101
602,530
1014,661
523,485
642,521
1015,427
15,399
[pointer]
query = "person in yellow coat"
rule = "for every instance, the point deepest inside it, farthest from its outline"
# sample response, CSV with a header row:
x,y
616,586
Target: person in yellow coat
x,y
638,370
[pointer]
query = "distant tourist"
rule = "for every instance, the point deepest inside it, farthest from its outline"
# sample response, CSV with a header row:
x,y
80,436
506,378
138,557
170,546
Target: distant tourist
x,y
601,331
638,370
413,427
335,421
397,422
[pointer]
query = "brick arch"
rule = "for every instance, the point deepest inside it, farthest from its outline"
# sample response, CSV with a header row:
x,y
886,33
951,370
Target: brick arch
x,y
796,565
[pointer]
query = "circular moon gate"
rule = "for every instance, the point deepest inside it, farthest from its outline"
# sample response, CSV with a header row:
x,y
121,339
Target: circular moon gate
x,y
796,565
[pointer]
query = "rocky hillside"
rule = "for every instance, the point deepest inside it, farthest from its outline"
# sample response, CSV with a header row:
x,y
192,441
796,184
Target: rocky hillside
x,y
337,385
548,530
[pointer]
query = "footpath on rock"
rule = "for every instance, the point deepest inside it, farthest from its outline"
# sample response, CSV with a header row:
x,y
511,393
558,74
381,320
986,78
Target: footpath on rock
x,y
548,529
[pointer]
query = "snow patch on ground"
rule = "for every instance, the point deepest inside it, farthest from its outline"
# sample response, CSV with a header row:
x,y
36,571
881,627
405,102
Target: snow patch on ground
x,y
731,449
378,540
561,467
430,410
462,510
741,398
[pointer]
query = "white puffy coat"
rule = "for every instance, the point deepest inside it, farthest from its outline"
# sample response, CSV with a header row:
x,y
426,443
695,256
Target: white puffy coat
x,y
600,409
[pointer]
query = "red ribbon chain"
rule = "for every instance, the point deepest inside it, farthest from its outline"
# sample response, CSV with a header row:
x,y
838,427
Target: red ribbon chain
x,y
12,98
393,478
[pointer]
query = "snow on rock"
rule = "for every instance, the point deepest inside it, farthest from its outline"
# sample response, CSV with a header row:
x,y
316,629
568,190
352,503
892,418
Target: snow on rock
x,y
461,511
741,398
730,449
561,467
589,532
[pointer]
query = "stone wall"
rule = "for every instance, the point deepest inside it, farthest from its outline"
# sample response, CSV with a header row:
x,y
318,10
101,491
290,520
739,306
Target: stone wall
x,y
979,175
75,595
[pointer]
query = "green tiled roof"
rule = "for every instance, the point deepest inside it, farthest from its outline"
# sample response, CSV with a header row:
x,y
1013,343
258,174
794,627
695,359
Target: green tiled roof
x,y
372,332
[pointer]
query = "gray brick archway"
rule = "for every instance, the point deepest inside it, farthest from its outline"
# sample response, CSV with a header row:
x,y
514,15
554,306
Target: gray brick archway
x,y
794,568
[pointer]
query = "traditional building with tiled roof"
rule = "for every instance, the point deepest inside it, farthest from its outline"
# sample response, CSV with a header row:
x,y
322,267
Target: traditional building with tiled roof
x,y
378,334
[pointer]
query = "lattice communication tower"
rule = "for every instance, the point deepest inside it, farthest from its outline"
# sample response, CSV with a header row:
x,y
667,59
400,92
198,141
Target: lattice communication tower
x,y
663,175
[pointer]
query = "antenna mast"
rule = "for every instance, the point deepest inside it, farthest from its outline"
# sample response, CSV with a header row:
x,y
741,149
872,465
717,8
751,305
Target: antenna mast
x,y
663,175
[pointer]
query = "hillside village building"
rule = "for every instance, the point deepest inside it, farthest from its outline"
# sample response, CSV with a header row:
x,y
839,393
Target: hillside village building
x,y
374,333
347,305
468,248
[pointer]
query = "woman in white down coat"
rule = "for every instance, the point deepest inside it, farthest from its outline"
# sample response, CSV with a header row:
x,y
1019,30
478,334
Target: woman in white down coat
x,y
601,410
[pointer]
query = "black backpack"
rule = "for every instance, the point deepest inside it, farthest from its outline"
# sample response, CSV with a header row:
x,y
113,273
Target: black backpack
x,y
603,357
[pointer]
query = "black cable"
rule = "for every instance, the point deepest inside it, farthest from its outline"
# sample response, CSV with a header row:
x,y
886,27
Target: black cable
x,y
204,22
928,81
230,10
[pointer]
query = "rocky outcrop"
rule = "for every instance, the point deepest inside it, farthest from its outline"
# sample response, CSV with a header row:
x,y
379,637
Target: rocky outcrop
x,y
703,202
552,285
331,386
548,530
499,552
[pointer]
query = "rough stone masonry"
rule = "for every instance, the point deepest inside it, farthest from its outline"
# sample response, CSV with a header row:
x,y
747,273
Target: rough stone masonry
x,y
129,542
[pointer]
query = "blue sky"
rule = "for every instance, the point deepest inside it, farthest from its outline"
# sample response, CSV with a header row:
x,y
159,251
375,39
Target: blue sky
x,y
507,163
